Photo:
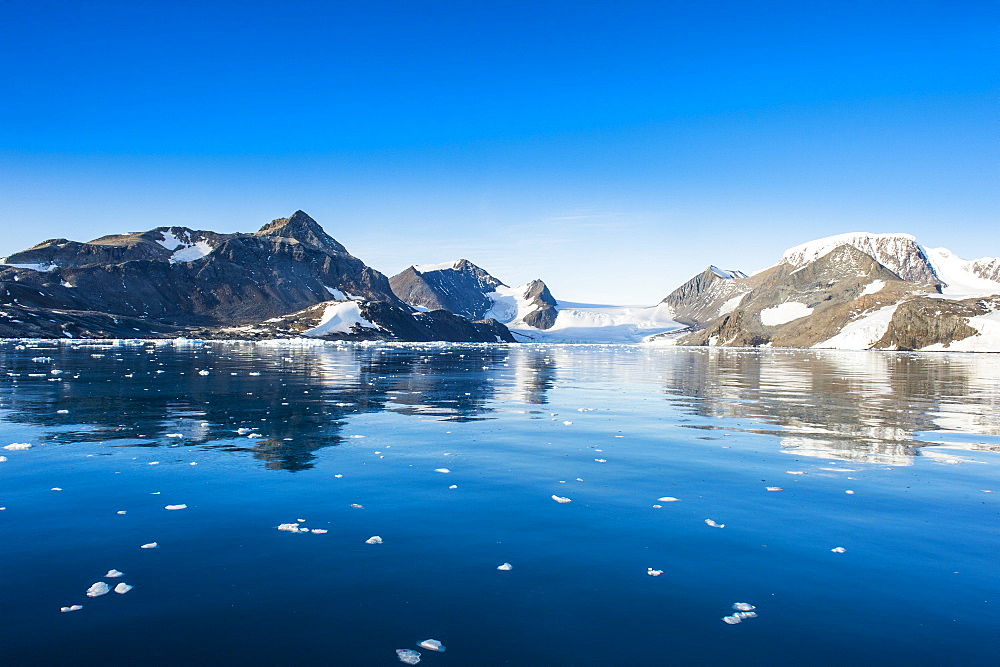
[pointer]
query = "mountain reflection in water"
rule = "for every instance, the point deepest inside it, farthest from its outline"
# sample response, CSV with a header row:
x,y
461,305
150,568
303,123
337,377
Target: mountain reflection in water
x,y
282,403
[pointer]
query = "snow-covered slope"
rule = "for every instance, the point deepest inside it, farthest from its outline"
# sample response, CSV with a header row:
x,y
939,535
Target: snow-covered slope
x,y
900,253
962,279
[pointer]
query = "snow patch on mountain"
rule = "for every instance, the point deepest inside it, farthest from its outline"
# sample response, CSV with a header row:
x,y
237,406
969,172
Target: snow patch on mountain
x,y
185,249
960,275
784,313
444,266
509,305
722,273
339,317
873,288
862,333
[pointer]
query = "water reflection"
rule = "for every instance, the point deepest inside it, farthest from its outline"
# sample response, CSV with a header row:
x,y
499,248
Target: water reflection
x,y
283,403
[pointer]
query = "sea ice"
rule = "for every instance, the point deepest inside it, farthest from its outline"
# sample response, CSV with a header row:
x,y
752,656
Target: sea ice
x,y
601,460
114,574
55,488
98,589
713,524
175,507
408,656
122,588
173,435
653,573
732,620
151,545
668,499
773,488
75,607
838,550
289,527
505,567
374,539
319,531
567,423
203,372
441,470
62,412
794,472
432,645
17,446
743,606
453,486
122,512
849,492
2,459
357,506
561,499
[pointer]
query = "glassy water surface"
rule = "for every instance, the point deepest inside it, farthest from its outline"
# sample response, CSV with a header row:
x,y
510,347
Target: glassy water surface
x,y
452,455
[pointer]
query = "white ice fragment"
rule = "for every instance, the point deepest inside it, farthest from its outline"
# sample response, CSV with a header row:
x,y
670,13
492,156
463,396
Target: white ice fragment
x,y
657,507
849,492
193,463
2,459
319,531
55,488
794,472
453,486
408,656
713,524
568,423
743,606
732,620
838,550
98,589
773,488
154,493
175,507
173,435
122,588
17,446
203,372
601,460
338,476
114,574
122,512
289,527
242,431
75,607
668,499
432,645
505,567
561,499
653,573
151,545
357,506
153,463
62,412
374,539
441,470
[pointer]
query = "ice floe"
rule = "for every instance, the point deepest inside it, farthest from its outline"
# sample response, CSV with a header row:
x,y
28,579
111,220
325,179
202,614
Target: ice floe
x,y
713,524
357,506
151,545
374,539
175,507
289,527
75,607
838,550
319,531
653,573
122,588
114,574
504,567
408,656
17,446
561,499
122,512
743,606
55,488
773,488
432,645
668,499
794,472
98,589
441,470
453,486
849,492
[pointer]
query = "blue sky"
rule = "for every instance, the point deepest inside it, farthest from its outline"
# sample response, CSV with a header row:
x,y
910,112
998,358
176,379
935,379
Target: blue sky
x,y
613,149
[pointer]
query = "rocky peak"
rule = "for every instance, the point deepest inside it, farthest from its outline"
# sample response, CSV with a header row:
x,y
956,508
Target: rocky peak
x,y
900,253
303,229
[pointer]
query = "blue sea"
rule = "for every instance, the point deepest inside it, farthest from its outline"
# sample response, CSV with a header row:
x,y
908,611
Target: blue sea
x,y
627,487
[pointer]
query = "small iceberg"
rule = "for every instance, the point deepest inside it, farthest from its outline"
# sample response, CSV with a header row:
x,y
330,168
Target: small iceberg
x,y
175,507
838,550
709,522
441,470
151,545
743,606
374,539
505,567
319,531
17,446
122,588
653,573
289,527
774,488
114,574
75,607
432,645
408,656
98,589
732,620
669,499
561,499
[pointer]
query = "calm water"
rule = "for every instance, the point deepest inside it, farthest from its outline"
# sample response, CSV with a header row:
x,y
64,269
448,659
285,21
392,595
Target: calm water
x,y
613,428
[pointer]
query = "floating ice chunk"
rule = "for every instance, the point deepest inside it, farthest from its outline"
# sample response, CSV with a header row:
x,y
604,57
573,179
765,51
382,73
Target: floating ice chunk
x,y
441,470
601,460
653,573
453,486
357,506
568,423
849,492
374,539
154,493
432,645
62,412
17,446
114,574
773,488
338,476
153,463
732,620
838,550
289,527
668,499
175,507
505,567
122,512
122,588
319,531
743,606
980,490
75,607
98,589
746,614
408,656
657,507
561,499
242,431
55,488
173,435
193,463
151,545
711,523
794,472
255,435
2,459
203,372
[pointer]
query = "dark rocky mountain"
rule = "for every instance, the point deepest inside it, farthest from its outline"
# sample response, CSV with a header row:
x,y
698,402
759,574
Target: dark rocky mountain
x,y
173,279
465,289
854,291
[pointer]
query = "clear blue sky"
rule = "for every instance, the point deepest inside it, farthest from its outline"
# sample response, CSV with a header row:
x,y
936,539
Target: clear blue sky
x,y
612,149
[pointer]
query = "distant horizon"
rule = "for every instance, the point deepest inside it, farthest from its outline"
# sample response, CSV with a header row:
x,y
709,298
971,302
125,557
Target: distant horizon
x,y
612,149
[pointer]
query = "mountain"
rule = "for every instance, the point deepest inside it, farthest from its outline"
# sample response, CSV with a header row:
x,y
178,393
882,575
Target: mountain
x,y
173,280
851,291
465,289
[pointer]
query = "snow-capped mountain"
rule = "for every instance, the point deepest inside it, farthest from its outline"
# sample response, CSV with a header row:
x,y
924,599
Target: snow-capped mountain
x,y
851,291
174,280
